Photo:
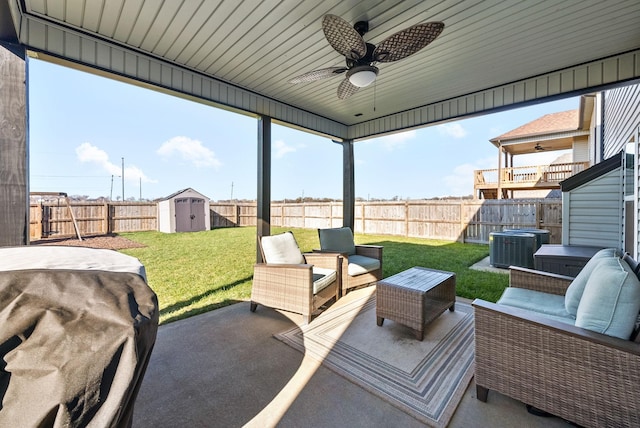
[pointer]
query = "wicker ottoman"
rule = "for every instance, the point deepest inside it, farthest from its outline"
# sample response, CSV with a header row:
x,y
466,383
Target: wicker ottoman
x,y
415,297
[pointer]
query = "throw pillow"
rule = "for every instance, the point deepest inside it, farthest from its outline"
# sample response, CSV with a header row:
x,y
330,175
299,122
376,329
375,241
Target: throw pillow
x,y
611,300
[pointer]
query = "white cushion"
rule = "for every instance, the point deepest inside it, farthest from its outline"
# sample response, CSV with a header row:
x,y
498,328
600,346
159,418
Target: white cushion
x,y
611,299
281,249
362,264
338,239
322,278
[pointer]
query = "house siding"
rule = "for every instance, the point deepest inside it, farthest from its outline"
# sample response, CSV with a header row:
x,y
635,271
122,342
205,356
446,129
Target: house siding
x,y
593,212
622,113
581,151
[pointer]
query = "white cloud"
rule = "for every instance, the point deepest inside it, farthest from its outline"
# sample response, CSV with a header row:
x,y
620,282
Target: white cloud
x,y
460,181
454,130
280,148
394,141
88,153
189,150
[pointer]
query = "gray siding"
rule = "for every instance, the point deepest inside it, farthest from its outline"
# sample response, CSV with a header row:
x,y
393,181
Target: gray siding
x,y
593,212
622,113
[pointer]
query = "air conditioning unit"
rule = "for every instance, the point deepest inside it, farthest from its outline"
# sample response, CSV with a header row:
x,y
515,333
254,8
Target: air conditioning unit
x,y
512,249
542,235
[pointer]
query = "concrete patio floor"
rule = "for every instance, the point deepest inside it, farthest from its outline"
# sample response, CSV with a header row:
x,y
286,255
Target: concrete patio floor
x,y
224,368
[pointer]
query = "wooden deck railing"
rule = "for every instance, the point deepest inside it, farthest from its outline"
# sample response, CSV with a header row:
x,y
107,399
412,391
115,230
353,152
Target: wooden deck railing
x,y
528,177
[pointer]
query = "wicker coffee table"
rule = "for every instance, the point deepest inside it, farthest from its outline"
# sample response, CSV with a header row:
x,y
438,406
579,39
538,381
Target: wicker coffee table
x,y
415,297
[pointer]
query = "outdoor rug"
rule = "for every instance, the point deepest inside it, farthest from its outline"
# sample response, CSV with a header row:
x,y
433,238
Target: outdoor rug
x,y
425,379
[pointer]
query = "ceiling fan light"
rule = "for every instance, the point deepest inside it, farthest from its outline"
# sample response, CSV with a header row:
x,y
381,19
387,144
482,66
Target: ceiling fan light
x,y
362,75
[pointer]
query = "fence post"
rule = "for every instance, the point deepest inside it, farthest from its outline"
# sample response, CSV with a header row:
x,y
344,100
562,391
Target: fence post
x,y
463,230
406,219
331,214
538,214
105,218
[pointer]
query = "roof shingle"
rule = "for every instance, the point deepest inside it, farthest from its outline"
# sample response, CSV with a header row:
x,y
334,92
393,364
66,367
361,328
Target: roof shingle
x,y
549,123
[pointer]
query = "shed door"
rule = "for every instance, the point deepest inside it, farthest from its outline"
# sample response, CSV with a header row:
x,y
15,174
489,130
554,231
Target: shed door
x,y
189,214
183,214
197,214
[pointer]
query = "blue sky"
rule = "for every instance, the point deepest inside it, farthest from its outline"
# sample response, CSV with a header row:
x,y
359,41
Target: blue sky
x,y
81,126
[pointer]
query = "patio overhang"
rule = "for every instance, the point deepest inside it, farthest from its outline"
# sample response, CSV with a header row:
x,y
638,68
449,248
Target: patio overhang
x,y
240,56
491,56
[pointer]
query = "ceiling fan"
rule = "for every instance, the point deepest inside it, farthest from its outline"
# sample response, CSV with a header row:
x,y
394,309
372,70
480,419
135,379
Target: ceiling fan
x,y
538,147
361,56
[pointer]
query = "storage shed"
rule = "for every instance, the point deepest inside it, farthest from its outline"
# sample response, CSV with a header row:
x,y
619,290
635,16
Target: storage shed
x,y
184,211
593,203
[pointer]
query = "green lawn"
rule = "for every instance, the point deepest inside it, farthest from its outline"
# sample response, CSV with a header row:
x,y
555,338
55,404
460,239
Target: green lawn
x,y
196,272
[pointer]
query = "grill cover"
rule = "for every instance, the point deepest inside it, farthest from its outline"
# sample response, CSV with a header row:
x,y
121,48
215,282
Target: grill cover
x,y
74,344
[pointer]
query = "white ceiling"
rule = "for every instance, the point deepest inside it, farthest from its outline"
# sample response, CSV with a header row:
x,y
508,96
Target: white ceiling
x,y
259,45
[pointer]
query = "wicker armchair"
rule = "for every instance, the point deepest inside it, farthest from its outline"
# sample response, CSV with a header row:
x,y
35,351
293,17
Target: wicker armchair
x,y
589,378
362,264
292,281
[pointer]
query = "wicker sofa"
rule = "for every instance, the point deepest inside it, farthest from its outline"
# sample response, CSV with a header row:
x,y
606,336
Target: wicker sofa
x,y
551,361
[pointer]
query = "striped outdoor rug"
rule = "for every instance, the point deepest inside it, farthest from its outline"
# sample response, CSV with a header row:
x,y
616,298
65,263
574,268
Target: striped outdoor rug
x,y
425,379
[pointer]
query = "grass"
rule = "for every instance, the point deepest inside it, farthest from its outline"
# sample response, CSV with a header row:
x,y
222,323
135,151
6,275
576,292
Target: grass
x,y
197,272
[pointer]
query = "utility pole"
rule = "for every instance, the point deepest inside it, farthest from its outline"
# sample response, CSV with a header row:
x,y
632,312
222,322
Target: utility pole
x,y
122,179
231,191
140,199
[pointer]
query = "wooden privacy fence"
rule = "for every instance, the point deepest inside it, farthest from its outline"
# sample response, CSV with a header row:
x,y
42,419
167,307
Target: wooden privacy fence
x,y
53,219
450,220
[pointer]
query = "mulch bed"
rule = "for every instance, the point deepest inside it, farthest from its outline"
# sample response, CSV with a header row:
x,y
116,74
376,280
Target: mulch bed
x,y
111,242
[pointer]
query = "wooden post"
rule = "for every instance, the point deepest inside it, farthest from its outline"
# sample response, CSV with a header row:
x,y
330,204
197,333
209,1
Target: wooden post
x,y
14,187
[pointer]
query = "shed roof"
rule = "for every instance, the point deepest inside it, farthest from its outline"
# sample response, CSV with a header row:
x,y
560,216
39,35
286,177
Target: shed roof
x,y
174,194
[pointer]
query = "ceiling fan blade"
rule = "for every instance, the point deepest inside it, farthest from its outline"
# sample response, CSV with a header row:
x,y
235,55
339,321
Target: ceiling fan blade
x,y
314,75
346,89
407,42
343,37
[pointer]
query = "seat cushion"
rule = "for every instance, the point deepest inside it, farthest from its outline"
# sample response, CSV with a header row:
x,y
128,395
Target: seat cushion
x,y
281,249
611,299
536,301
338,239
361,264
322,278
576,288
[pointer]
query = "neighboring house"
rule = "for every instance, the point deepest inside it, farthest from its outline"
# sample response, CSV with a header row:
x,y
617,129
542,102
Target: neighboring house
x,y
567,130
600,205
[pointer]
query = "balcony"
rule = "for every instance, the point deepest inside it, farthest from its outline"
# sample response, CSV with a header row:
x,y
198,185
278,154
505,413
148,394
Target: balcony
x,y
489,182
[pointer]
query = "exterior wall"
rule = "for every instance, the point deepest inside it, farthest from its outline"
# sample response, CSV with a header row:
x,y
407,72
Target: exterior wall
x,y
165,215
622,126
622,113
593,213
581,151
